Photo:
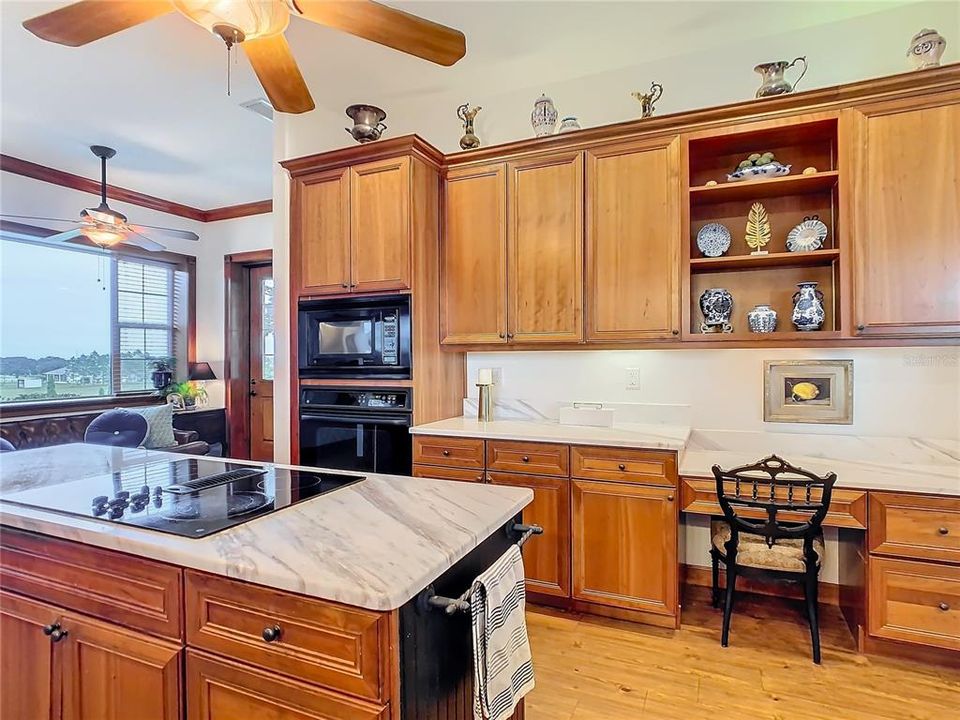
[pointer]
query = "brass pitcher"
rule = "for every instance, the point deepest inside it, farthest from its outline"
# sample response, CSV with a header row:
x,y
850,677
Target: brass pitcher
x,y
773,81
648,99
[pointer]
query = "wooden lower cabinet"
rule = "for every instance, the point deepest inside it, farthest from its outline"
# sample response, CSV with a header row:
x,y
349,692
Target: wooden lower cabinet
x,y
546,560
625,546
27,660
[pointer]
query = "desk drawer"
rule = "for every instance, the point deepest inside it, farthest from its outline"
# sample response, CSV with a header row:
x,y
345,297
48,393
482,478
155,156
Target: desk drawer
x,y
915,602
624,465
448,473
916,526
321,642
119,588
528,457
448,451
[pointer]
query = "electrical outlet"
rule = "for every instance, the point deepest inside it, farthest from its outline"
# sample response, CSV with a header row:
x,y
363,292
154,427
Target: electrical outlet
x,y
633,378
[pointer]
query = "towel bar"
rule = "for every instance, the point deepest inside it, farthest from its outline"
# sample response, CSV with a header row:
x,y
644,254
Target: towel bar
x,y
429,600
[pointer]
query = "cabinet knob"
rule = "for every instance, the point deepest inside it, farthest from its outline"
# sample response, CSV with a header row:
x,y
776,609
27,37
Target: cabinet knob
x,y
509,336
479,478
51,628
943,531
621,467
526,458
272,633
344,285
446,453
860,327
670,497
943,607
676,332
58,635
501,335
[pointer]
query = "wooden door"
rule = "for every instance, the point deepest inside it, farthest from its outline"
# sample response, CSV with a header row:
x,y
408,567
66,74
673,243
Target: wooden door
x,y
625,546
545,241
633,241
473,252
380,227
546,558
321,222
27,667
905,200
262,340
111,673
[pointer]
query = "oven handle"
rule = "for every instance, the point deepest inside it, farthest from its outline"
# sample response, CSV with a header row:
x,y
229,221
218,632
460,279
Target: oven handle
x,y
370,418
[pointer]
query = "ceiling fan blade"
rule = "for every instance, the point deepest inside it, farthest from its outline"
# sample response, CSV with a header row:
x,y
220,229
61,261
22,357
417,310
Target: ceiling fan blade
x,y
141,241
83,22
279,75
387,26
169,232
41,219
64,236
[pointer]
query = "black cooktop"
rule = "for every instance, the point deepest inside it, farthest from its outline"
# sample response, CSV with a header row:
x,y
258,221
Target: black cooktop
x,y
193,497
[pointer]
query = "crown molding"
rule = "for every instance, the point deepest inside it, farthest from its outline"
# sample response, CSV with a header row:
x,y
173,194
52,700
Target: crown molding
x,y
53,176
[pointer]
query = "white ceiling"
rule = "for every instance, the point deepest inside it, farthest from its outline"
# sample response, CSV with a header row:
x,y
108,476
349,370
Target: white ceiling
x,y
157,92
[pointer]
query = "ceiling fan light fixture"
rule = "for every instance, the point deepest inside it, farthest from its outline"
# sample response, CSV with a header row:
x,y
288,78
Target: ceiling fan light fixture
x,y
249,18
103,237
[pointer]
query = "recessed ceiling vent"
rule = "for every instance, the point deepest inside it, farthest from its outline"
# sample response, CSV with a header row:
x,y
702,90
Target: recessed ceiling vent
x,y
260,106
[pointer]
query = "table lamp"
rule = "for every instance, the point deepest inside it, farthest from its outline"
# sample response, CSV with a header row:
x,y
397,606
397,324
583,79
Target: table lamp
x,y
200,373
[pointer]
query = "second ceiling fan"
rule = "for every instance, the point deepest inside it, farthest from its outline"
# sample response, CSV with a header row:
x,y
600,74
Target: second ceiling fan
x,y
258,26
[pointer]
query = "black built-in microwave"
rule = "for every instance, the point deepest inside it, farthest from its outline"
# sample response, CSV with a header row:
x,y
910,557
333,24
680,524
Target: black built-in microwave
x,y
355,337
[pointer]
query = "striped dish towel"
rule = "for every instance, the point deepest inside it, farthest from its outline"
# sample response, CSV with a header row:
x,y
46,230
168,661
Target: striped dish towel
x,y
502,669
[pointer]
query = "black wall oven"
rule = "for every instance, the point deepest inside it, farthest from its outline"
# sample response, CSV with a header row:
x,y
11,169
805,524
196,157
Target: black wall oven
x,y
364,429
355,338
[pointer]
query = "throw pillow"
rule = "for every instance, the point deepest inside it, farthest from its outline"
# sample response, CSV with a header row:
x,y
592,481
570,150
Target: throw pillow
x,y
159,426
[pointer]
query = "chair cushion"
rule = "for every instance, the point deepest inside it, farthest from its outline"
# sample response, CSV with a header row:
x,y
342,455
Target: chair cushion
x,y
159,426
752,551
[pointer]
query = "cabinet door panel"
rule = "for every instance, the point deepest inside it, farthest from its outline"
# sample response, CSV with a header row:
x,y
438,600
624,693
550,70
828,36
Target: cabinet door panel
x,y
633,241
115,674
474,256
26,660
546,558
545,282
323,233
906,243
625,546
380,234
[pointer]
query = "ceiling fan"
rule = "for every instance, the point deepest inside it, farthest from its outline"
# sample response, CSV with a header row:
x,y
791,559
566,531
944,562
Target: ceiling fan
x,y
104,226
258,26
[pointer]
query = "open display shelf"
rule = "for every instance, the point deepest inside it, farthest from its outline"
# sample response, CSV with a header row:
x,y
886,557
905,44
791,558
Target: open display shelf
x,y
768,279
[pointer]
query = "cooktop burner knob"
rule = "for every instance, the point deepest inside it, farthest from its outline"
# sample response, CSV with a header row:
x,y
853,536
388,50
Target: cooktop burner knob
x,y
157,501
100,500
116,512
122,495
157,491
145,490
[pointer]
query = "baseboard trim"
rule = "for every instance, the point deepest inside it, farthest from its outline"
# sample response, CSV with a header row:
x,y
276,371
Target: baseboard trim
x,y
694,575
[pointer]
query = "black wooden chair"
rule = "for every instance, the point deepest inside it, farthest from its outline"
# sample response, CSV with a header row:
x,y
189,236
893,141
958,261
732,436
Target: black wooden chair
x,y
772,527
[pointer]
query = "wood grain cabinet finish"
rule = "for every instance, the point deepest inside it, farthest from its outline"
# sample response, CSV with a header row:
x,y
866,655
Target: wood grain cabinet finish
x,y
122,589
218,689
438,472
906,233
321,247
632,240
27,660
624,465
333,645
916,602
448,451
380,225
528,457
473,264
625,546
546,560
545,241
915,526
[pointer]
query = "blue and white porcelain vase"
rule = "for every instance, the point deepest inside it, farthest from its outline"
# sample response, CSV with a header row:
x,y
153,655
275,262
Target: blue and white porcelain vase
x,y
544,117
762,319
808,311
716,304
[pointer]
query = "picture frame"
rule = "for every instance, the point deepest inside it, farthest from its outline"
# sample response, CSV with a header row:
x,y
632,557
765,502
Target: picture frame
x,y
808,391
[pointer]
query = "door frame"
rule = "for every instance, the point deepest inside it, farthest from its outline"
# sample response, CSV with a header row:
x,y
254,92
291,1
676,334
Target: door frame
x,y
236,345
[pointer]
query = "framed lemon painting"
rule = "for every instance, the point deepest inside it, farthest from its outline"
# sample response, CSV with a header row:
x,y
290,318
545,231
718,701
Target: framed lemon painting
x,y
808,391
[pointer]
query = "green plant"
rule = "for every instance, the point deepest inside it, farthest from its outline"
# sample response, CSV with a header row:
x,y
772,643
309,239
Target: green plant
x,y
186,389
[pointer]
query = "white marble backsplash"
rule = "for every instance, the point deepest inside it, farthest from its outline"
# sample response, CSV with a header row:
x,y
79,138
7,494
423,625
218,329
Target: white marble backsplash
x,y
549,411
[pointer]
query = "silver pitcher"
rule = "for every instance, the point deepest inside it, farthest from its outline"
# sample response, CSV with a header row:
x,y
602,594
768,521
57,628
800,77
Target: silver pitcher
x,y
367,122
647,100
773,81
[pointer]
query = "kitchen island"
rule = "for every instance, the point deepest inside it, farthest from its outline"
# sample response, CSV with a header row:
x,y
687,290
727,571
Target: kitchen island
x,y
310,611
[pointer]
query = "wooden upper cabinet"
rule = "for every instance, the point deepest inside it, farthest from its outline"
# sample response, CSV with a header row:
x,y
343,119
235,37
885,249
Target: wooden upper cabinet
x,y
473,294
633,241
906,210
380,227
322,250
545,240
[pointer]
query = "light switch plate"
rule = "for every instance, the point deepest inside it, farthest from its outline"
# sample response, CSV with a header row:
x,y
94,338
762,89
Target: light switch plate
x,y
633,378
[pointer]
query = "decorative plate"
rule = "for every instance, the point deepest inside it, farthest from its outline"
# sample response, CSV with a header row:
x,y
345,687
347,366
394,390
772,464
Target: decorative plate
x,y
807,236
771,169
713,240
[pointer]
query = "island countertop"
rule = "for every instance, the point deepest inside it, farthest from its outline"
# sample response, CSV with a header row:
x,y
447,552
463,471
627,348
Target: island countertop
x,y
374,544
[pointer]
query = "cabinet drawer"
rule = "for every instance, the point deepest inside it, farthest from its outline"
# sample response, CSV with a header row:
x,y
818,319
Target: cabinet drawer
x,y
915,602
112,586
526,457
624,465
919,526
448,451
447,473
218,689
321,642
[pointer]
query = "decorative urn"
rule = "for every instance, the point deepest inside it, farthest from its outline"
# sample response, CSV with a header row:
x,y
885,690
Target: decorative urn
x,y
808,311
926,49
544,117
367,122
762,319
716,304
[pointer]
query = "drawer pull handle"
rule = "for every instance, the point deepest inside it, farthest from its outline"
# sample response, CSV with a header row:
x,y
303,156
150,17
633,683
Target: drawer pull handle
x,y
943,607
446,453
943,531
526,458
271,634
622,467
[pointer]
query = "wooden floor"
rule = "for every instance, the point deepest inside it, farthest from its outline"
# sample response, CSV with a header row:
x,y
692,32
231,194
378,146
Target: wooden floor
x,y
589,668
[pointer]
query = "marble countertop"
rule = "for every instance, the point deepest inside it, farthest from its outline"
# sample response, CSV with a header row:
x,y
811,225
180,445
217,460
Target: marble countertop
x,y
632,435
374,544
